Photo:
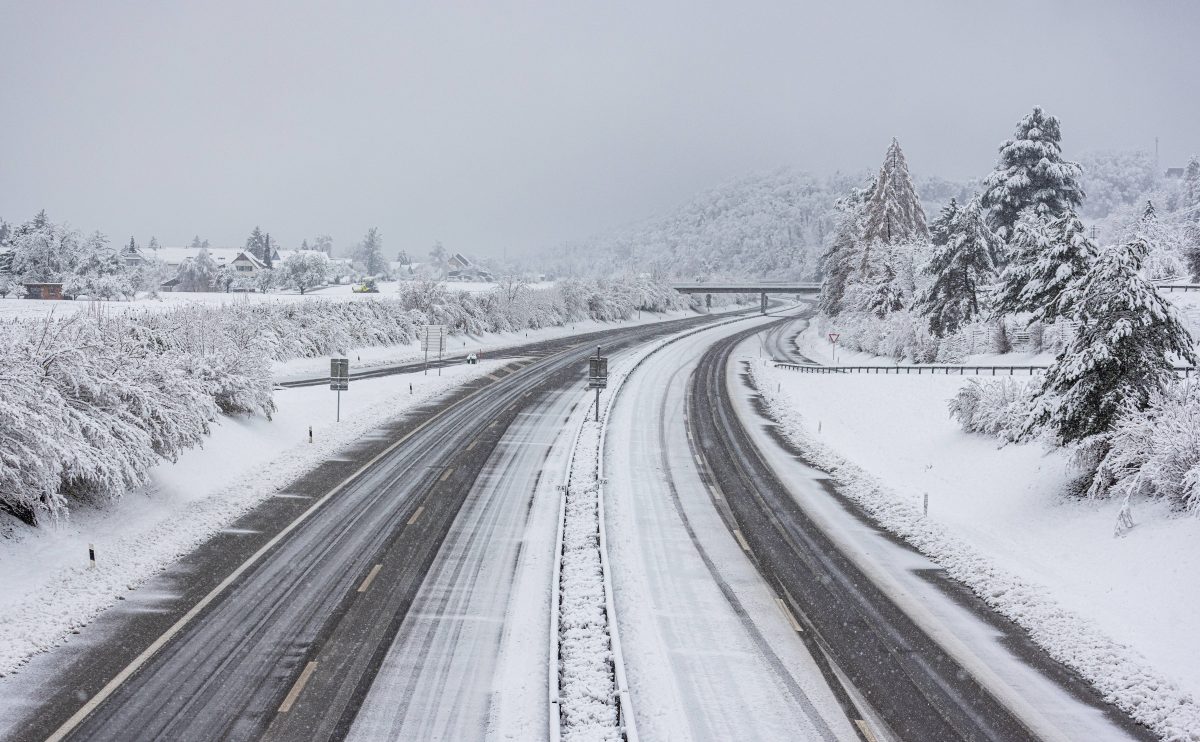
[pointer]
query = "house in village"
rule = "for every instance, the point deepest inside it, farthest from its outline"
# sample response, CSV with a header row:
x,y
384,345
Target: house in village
x,y
460,268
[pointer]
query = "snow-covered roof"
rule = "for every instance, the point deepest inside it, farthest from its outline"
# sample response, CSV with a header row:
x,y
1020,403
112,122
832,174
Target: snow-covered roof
x,y
176,255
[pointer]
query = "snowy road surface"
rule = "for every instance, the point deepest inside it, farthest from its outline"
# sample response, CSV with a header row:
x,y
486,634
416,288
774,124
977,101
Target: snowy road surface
x,y
709,653
444,677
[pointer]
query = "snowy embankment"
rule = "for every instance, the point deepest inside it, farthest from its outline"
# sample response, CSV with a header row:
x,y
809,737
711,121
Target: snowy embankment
x,y
1117,610
49,591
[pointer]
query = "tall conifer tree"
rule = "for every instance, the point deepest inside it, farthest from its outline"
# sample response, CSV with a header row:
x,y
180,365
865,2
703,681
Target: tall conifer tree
x,y
1031,174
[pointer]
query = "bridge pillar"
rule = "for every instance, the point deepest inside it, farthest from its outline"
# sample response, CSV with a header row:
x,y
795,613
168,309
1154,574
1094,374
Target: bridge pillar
x,y
764,302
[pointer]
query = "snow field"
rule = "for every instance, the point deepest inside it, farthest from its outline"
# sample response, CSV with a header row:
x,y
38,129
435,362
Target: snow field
x,y
51,593
1117,610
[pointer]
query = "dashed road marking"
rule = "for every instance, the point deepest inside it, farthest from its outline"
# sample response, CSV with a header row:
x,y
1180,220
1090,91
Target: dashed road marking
x,y
737,533
472,445
788,614
416,514
447,474
294,693
866,730
370,576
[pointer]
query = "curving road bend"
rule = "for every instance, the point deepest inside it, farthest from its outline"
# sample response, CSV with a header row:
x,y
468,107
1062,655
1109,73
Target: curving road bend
x,y
914,686
710,653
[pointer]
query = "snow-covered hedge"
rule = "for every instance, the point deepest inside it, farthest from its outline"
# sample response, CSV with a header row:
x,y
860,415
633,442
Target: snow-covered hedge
x,y
1156,452
996,407
90,403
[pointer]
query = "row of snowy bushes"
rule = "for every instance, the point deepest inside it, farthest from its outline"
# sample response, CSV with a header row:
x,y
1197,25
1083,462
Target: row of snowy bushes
x,y
89,403
1153,452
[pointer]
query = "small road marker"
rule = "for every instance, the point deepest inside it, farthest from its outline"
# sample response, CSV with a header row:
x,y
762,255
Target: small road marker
x,y
294,693
417,514
370,576
447,474
472,445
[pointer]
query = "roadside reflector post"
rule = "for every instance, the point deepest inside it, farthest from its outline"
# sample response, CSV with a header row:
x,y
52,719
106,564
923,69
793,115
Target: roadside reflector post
x,y
91,556
926,506
310,434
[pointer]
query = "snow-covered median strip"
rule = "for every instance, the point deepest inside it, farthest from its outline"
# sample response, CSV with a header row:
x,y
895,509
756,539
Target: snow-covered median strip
x,y
49,591
979,492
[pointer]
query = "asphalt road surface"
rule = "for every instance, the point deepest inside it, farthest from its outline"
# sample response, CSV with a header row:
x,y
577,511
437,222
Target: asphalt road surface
x,y
892,669
245,646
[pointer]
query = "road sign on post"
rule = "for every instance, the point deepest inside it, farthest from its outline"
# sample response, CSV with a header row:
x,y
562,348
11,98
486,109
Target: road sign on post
x,y
339,380
598,376
833,338
433,338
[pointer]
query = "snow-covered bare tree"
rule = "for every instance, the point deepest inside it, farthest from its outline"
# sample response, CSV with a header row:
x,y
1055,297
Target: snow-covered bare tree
x,y
198,273
1045,260
1122,354
893,212
265,280
302,270
1191,189
961,268
153,243
44,251
1031,174
323,243
198,243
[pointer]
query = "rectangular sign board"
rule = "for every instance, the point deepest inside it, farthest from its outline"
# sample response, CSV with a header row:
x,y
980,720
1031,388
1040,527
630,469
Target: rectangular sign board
x,y
433,338
339,374
597,368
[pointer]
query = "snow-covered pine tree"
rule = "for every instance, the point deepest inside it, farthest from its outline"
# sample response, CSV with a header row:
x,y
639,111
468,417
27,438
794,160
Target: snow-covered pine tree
x,y
1149,213
939,228
44,251
256,243
893,212
1191,189
842,258
1128,338
1045,259
1031,174
153,243
370,253
961,268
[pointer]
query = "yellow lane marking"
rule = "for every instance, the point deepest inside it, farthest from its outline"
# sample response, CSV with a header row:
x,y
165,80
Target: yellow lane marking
x,y
472,445
294,693
416,514
737,533
370,576
866,730
447,474
788,614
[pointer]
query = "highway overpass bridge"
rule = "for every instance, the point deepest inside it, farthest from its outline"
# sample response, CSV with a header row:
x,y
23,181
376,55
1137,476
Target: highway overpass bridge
x,y
762,288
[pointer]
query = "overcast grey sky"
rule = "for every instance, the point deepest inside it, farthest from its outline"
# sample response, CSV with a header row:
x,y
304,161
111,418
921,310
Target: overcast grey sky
x,y
498,124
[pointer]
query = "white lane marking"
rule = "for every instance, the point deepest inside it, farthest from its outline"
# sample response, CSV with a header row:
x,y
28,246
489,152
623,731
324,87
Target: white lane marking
x,y
294,693
416,514
446,476
737,533
788,614
370,576
866,730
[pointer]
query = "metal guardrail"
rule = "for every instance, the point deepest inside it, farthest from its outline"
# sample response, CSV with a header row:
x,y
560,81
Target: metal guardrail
x,y
1179,286
930,370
